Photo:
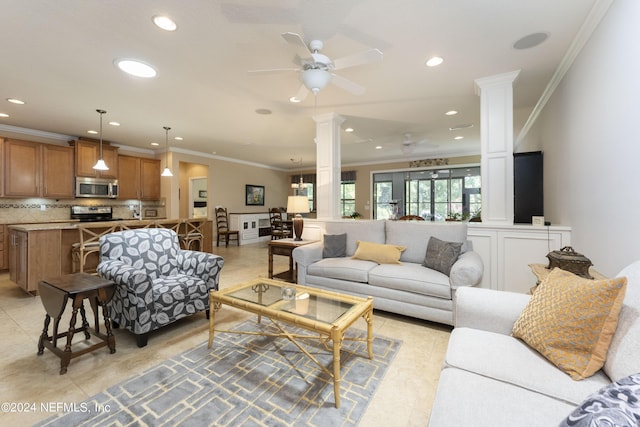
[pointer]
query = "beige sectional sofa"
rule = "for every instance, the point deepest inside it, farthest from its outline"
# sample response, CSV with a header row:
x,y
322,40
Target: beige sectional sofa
x,y
408,288
492,379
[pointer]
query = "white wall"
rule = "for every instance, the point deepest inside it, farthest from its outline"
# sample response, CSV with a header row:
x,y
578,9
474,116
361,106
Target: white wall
x,y
589,134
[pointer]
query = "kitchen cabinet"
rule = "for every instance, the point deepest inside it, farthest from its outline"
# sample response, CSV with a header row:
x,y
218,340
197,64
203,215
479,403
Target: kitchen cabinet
x,y
57,171
4,249
3,167
37,170
88,153
32,256
22,168
139,178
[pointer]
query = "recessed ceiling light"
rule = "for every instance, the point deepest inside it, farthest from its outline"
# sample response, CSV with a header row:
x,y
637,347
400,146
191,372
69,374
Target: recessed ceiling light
x,y
451,113
435,61
165,23
178,138
348,130
531,40
114,123
294,99
263,111
15,101
378,147
136,68
155,144
92,132
458,137
4,115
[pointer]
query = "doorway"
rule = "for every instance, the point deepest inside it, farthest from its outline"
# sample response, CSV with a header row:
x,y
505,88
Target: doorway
x,y
198,197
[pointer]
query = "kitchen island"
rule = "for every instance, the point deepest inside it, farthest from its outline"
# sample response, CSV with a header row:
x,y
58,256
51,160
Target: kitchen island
x,y
39,251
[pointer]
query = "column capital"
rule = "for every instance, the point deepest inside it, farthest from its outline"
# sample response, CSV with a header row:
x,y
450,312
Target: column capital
x,y
495,80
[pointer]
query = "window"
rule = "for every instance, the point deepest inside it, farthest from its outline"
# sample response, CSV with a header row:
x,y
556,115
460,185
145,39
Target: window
x,y
432,194
347,198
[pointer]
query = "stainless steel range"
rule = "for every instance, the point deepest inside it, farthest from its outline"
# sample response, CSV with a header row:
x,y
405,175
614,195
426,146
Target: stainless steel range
x,y
93,213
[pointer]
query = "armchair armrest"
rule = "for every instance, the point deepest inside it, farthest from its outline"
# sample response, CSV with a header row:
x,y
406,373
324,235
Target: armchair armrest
x,y
122,274
467,270
488,309
201,264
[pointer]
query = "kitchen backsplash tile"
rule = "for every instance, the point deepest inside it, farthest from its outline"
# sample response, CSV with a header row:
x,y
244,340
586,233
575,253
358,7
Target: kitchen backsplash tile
x,y
31,210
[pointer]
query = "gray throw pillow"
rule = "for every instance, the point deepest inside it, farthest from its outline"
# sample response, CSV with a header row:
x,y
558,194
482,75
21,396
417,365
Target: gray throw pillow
x,y
335,246
441,255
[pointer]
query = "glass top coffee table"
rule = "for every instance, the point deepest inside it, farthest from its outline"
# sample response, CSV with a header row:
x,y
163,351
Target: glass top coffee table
x,y
327,314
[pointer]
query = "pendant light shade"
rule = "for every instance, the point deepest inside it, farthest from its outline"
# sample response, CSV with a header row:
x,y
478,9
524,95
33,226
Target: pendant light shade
x,y
166,171
100,164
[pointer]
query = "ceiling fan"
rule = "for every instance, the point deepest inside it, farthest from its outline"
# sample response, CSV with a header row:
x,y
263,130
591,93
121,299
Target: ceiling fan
x,y
316,69
409,144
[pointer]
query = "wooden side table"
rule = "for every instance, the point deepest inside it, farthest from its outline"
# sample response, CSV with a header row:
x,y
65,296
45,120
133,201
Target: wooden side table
x,y
77,287
285,247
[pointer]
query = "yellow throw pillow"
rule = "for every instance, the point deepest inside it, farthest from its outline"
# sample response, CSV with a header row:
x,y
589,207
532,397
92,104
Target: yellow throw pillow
x,y
571,320
378,252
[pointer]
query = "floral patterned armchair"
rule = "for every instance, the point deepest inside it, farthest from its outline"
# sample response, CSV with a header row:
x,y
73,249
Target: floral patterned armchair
x,y
156,282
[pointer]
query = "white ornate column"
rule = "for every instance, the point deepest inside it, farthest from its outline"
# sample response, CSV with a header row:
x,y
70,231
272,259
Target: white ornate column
x,y
328,165
496,146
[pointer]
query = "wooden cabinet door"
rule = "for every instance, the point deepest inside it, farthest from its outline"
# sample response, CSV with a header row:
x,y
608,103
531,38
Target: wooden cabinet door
x,y
88,153
22,168
18,258
57,171
4,248
110,157
129,179
150,179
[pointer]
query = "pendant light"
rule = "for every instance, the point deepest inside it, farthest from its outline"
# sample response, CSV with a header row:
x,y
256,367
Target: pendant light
x,y
100,164
166,171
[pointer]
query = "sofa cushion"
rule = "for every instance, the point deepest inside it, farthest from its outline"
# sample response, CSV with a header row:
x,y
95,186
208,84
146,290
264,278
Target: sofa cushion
x,y
441,255
411,278
622,358
334,245
617,404
342,268
467,399
509,360
415,236
369,230
571,320
378,252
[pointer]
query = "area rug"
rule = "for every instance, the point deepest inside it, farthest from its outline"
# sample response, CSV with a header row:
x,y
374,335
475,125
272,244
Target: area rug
x,y
244,380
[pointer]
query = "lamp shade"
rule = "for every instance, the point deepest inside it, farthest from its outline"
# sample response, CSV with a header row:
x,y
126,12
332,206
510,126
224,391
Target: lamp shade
x,y
298,204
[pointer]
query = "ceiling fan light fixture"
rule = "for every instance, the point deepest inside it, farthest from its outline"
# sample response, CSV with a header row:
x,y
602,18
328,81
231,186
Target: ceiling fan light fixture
x,y
315,79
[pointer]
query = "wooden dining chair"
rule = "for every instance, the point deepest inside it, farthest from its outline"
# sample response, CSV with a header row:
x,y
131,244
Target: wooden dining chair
x,y
279,230
222,226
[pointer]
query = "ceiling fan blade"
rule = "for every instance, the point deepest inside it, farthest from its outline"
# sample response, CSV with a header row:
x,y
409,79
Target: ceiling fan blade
x,y
273,70
302,93
347,85
298,44
366,57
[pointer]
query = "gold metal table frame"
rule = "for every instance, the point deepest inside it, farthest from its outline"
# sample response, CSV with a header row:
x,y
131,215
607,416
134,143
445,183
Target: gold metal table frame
x,y
262,297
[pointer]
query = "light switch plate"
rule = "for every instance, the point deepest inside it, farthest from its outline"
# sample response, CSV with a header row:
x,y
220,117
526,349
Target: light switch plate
x,y
537,220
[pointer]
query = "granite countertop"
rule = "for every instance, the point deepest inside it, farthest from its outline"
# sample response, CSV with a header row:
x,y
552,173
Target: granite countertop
x,y
74,224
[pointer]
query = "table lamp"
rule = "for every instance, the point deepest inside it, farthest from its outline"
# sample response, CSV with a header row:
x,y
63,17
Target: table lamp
x,y
298,205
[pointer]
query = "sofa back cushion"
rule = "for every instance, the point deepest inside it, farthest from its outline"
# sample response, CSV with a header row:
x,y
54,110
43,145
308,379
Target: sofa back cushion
x,y
415,236
366,230
623,357
154,250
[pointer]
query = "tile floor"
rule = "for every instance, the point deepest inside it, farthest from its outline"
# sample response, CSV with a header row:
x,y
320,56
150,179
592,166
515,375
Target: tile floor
x,y
403,399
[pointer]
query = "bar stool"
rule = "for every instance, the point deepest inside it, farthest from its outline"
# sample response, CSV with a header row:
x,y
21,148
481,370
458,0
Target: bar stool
x,y
88,244
192,234
171,224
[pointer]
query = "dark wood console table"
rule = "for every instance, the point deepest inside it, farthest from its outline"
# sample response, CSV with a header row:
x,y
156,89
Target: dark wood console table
x,y
55,293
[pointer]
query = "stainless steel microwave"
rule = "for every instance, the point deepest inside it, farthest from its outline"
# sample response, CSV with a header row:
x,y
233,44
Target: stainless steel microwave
x,y
96,187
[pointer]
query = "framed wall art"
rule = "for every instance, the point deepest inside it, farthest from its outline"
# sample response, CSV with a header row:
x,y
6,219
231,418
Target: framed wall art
x,y
254,195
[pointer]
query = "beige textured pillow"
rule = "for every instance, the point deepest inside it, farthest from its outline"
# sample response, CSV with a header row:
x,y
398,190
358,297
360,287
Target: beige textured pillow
x,y
571,320
378,252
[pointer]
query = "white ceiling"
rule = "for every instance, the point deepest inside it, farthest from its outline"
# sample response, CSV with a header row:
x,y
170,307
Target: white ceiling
x,y
58,57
